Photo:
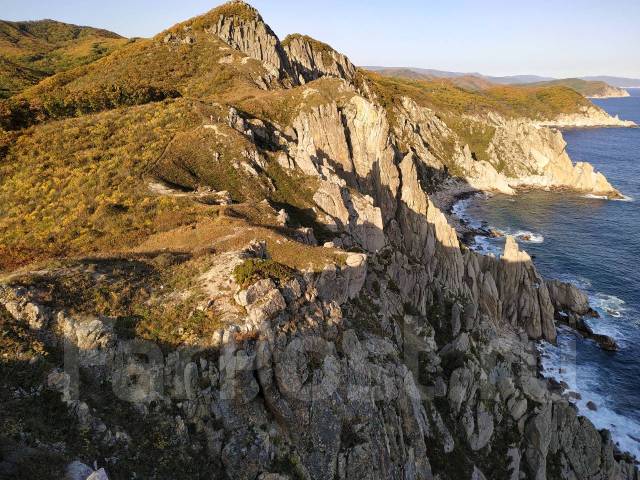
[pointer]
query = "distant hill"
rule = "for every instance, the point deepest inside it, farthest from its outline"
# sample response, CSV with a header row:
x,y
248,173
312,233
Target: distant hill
x,y
418,71
620,82
517,79
33,50
507,80
468,82
588,86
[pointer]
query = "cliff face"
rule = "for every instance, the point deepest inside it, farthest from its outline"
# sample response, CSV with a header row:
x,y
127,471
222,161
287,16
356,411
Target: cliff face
x,y
392,351
588,117
372,163
311,59
610,91
537,158
241,27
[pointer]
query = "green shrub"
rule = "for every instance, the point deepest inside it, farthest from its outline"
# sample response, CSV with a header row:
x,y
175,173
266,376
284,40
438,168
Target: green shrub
x,y
253,269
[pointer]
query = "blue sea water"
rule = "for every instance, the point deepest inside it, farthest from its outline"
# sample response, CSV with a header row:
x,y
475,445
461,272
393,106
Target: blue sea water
x,y
595,244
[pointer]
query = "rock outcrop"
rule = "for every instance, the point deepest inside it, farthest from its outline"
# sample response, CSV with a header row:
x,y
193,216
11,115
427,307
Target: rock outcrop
x,y
537,158
240,26
609,91
330,375
298,58
588,117
311,59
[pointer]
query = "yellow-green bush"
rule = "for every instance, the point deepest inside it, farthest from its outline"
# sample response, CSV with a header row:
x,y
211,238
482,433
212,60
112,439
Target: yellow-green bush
x,y
253,269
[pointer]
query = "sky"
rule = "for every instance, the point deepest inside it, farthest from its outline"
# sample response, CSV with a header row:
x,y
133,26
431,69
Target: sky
x,y
562,38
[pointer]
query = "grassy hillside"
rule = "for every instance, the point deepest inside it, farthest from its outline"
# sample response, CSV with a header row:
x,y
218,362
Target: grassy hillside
x,y
510,101
79,149
31,51
588,88
15,78
468,82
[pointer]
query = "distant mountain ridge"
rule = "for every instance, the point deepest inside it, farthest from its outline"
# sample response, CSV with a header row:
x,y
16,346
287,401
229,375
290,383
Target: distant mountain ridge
x,y
476,81
620,82
33,50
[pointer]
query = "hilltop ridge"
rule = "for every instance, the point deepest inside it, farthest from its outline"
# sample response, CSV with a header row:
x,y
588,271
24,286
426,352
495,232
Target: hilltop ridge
x,y
33,50
476,81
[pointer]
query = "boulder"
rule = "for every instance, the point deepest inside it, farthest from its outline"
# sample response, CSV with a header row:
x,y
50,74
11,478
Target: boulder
x,y
567,297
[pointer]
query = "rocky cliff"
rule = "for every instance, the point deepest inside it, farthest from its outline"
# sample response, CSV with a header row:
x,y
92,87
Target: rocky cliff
x,y
587,117
236,346
538,159
311,59
610,91
240,26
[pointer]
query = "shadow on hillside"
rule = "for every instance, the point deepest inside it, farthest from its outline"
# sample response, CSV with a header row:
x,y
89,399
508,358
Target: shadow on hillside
x,y
270,372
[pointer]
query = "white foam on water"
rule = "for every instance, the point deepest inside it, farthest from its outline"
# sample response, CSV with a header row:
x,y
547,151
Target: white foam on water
x,y
559,362
459,209
612,310
625,198
609,304
523,236
613,319
487,246
582,283
528,237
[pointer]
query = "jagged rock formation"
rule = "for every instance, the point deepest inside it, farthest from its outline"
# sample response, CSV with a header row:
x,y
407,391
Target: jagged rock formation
x,y
327,375
241,26
406,355
311,59
299,58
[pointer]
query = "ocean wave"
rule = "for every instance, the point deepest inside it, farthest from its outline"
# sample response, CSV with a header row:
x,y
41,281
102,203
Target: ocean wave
x,y
487,246
625,198
459,209
559,362
581,282
613,313
602,302
524,236
609,304
527,236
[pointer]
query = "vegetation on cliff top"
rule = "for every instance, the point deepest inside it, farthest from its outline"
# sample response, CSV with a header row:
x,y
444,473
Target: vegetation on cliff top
x,y
31,51
537,103
239,10
588,88
73,185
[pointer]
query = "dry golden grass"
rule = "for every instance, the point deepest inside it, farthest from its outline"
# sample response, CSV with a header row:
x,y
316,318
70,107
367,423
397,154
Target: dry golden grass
x,y
30,51
231,232
75,186
445,97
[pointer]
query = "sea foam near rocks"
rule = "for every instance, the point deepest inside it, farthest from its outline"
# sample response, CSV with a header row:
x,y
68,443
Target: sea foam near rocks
x,y
559,362
624,198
